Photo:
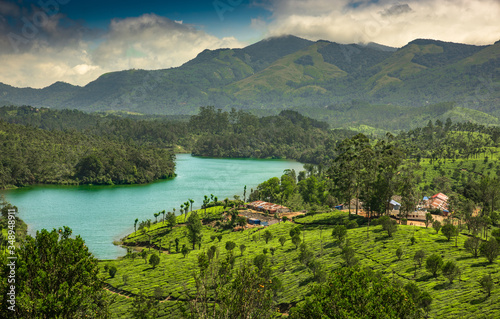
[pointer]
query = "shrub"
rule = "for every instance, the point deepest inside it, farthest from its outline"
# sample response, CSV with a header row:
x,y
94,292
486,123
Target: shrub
x,y
112,271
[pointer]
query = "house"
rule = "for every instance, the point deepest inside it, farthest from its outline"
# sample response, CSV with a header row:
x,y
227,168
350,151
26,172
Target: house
x,y
268,207
393,205
438,201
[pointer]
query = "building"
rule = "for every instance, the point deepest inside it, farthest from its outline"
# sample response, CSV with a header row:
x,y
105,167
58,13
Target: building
x,y
438,201
268,207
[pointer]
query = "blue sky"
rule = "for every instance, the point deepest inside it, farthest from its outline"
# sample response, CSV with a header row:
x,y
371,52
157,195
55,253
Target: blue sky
x,y
76,41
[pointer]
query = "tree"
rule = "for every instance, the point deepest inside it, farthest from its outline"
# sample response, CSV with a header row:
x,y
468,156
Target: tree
x,y
348,255
388,224
356,293
419,257
193,228
176,245
490,249
296,240
112,271
219,237
428,219
154,260
451,271
487,284
135,225
184,250
339,232
242,248
472,244
56,277
267,235
434,263
421,298
449,231
260,261
144,255
305,254
230,245
171,220
143,307
244,292
295,231
282,240
399,252
436,225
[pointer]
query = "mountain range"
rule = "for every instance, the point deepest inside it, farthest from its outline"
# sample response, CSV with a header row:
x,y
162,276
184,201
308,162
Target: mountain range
x,y
290,72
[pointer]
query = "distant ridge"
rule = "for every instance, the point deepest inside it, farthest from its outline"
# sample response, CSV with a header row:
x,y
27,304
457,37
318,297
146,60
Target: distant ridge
x,y
290,72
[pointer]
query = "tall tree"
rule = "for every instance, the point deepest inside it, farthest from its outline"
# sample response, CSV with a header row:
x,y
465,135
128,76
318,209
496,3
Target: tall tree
x,y
56,277
193,228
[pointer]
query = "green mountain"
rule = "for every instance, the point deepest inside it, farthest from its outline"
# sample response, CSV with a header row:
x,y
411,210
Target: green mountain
x,y
290,72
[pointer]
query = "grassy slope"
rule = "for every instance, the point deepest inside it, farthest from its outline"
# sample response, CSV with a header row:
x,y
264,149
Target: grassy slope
x,y
462,298
276,76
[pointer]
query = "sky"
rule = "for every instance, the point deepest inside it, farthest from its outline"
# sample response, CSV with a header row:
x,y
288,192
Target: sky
x,y
76,41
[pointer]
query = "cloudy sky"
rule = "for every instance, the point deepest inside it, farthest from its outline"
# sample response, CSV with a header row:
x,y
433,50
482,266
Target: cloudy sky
x,y
75,41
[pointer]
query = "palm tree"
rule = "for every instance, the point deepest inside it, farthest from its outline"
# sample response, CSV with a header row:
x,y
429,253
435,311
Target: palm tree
x,y
135,225
163,213
156,217
182,210
186,205
191,201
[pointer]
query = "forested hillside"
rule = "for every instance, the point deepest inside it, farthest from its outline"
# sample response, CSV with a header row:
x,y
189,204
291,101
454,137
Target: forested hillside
x,y
287,72
31,156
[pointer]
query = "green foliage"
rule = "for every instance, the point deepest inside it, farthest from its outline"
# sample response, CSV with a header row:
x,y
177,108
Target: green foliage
x,y
56,276
399,252
349,256
436,225
449,230
154,260
388,224
450,270
282,240
434,263
296,240
193,229
487,284
143,307
490,249
339,232
267,235
33,155
356,293
112,271
230,245
184,250
260,261
472,245
419,256
243,247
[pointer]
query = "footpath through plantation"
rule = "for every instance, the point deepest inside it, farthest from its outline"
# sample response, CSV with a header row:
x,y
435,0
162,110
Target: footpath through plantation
x,y
297,263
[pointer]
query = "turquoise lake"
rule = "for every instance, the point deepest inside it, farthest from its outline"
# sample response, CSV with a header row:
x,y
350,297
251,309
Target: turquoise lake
x,y
102,214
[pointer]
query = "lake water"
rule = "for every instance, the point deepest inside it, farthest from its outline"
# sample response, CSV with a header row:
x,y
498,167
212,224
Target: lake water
x,y
102,214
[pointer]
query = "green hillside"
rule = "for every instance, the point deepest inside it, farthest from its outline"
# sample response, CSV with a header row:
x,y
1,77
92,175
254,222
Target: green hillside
x,y
373,248
286,72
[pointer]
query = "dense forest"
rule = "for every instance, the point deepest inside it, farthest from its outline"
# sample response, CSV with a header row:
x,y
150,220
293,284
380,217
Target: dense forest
x,y
32,155
72,147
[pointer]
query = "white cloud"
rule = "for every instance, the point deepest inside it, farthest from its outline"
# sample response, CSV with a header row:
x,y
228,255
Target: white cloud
x,y
387,22
145,42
